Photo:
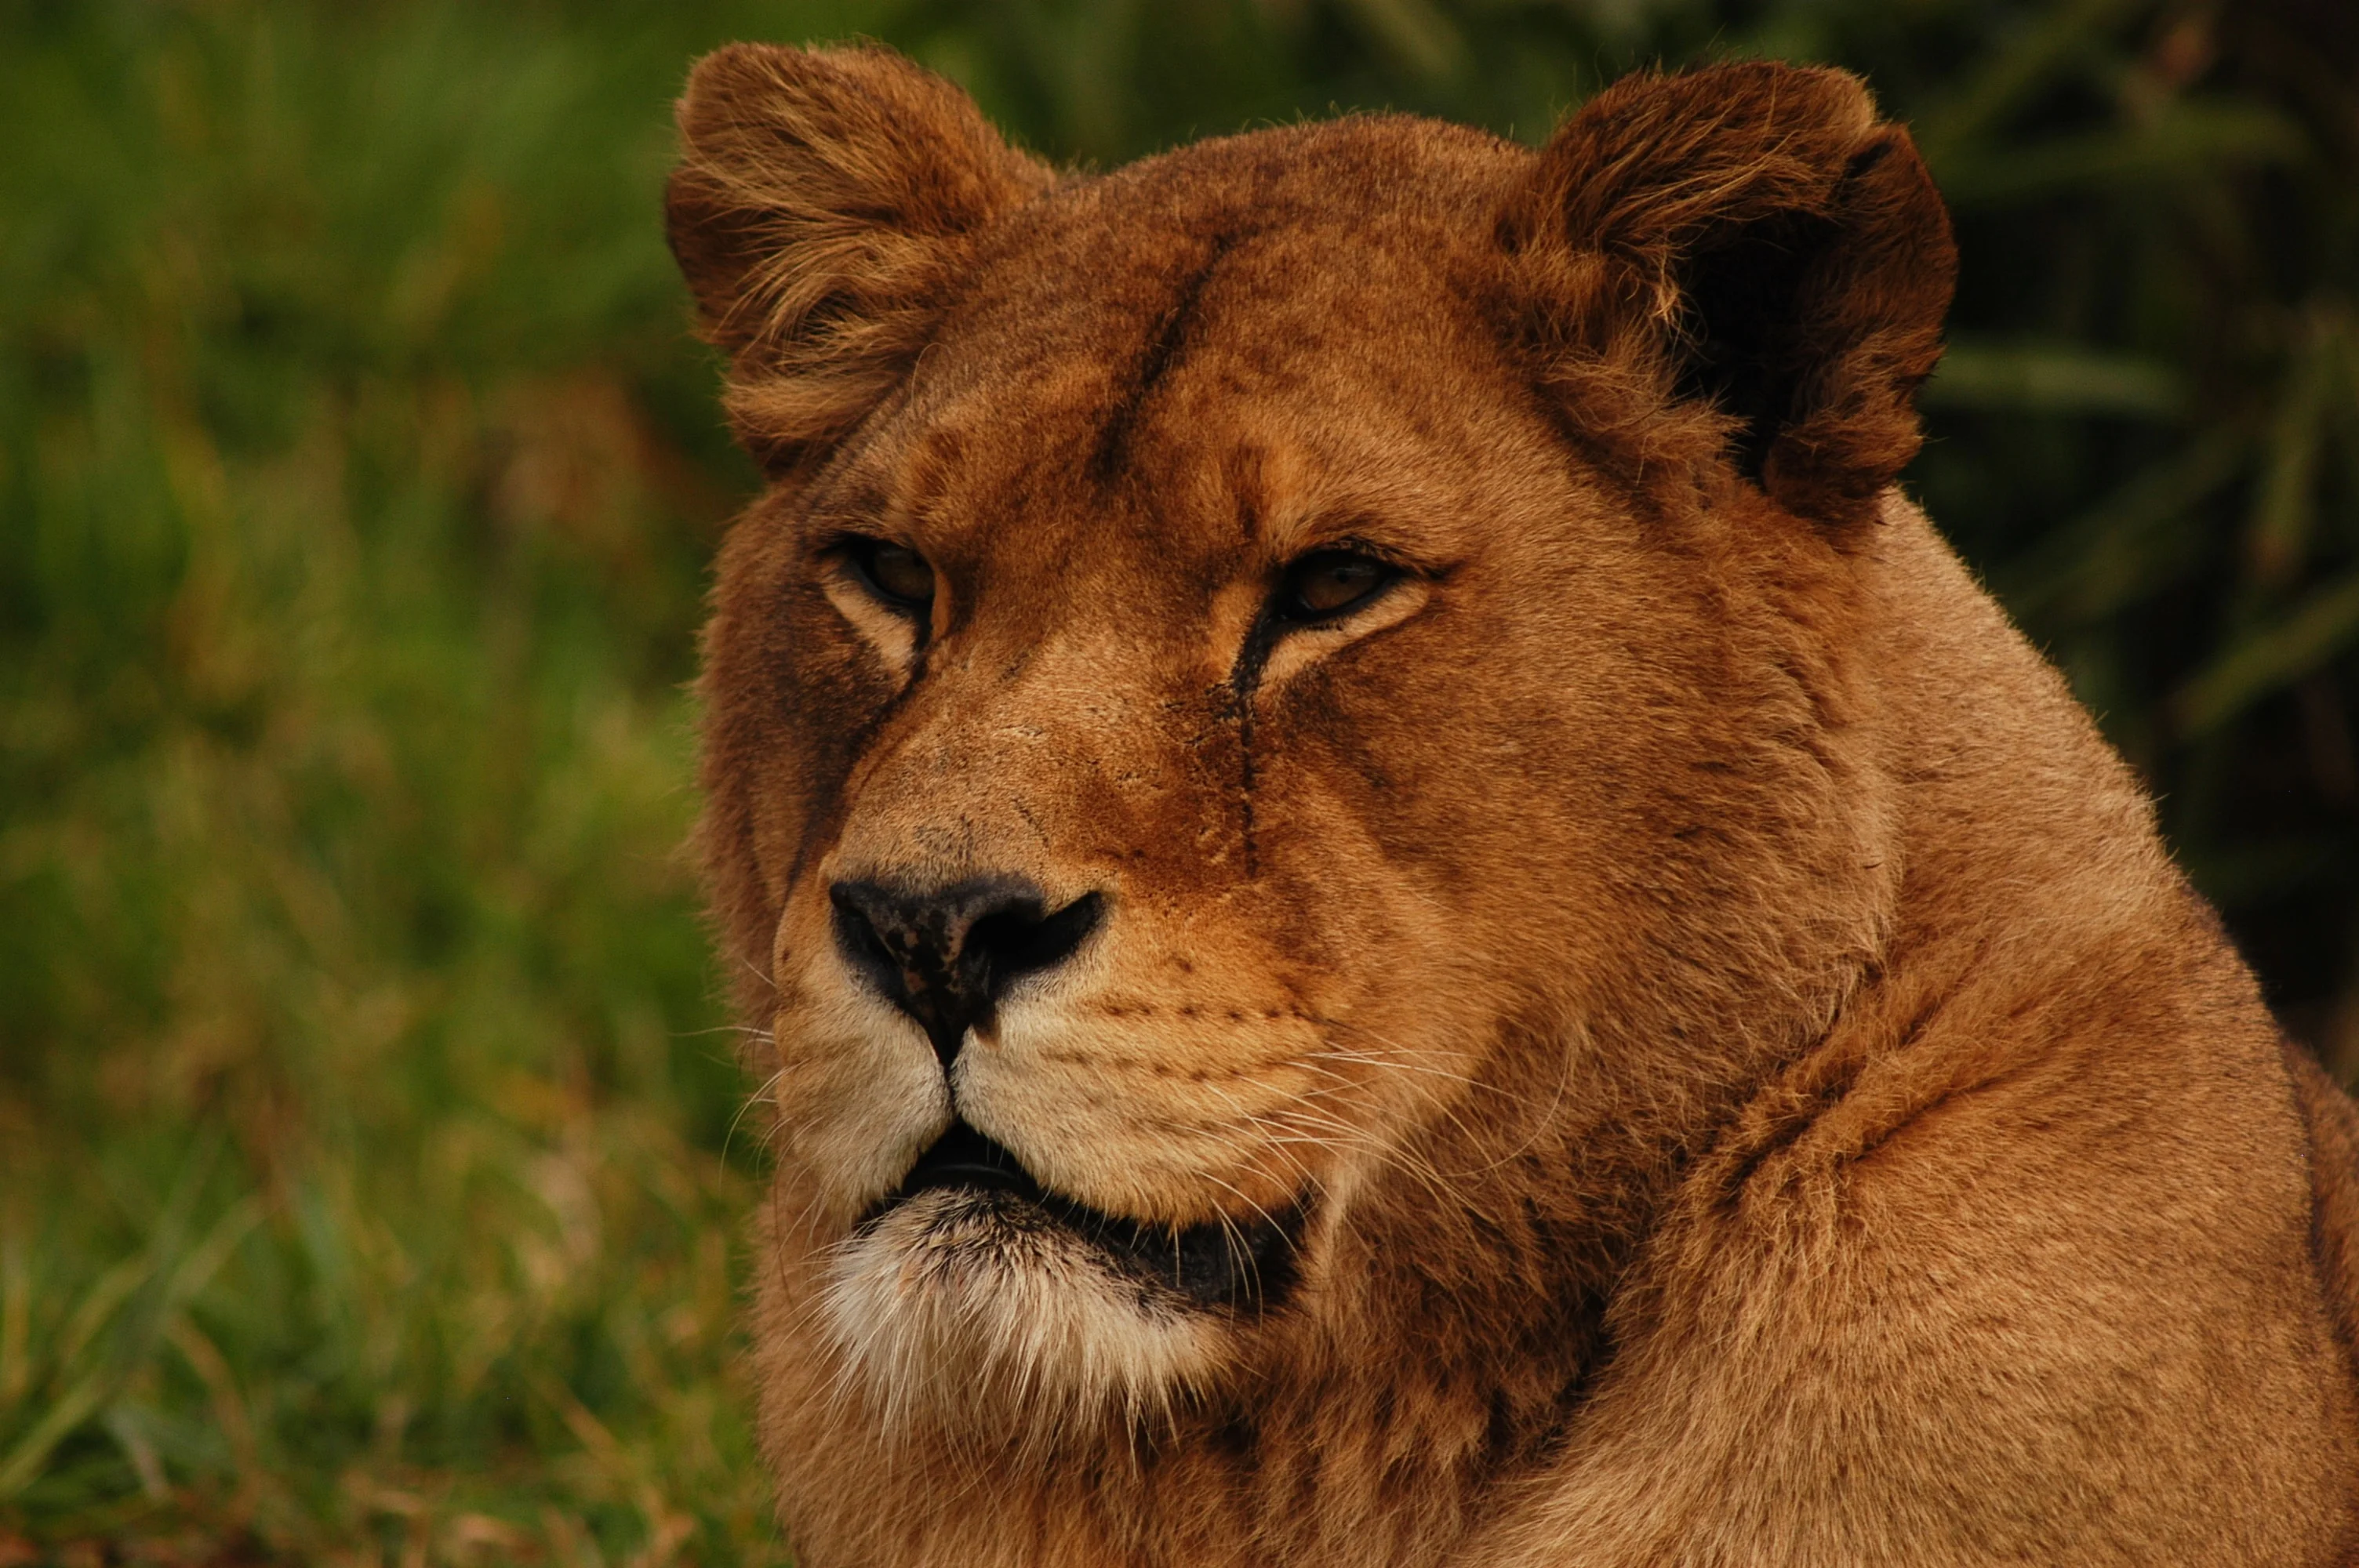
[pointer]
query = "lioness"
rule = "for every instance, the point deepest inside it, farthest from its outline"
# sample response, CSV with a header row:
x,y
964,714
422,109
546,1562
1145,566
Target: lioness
x,y
1404,913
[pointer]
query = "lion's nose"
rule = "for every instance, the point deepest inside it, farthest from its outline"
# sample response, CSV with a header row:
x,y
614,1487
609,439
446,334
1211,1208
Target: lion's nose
x,y
945,956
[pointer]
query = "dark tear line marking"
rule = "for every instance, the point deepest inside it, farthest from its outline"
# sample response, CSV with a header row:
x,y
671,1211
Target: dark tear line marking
x,y
1163,351
1245,679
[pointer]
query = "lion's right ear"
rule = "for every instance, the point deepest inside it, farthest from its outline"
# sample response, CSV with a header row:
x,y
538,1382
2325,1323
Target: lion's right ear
x,y
1742,262
824,208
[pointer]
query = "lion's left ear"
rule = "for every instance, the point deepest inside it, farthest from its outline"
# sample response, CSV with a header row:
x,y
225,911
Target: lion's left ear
x,y
825,207
1741,260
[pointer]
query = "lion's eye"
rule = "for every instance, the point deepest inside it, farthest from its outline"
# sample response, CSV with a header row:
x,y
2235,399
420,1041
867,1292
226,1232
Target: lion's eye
x,y
1329,582
893,573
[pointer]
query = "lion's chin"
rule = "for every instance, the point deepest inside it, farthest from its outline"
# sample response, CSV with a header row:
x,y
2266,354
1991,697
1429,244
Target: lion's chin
x,y
982,1310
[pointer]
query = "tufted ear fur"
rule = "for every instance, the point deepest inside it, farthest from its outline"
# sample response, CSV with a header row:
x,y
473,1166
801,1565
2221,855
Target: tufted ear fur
x,y
825,205
1742,262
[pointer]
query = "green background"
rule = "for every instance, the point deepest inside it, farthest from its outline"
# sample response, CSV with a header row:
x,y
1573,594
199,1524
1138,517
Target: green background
x,y
369,1186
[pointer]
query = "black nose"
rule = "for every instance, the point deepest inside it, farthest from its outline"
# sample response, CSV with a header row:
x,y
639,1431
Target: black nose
x,y
945,956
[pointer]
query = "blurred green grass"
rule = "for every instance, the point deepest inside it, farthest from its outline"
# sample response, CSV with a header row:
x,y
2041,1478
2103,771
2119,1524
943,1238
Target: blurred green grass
x,y
363,1105
368,1187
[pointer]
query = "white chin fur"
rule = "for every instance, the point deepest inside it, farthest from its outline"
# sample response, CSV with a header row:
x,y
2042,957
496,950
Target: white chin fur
x,y
960,1310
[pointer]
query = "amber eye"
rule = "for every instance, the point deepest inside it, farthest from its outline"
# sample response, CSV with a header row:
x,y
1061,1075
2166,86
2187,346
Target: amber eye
x,y
1328,582
895,573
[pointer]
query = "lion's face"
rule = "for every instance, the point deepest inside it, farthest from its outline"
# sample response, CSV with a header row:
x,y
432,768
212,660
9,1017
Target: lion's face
x,y
1181,731
1185,740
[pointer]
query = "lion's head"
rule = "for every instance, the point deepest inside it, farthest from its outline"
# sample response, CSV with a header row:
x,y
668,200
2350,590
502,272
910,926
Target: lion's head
x,y
1279,738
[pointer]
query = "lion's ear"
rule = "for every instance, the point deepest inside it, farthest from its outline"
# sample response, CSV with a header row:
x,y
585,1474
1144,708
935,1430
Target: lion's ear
x,y
824,207
1744,258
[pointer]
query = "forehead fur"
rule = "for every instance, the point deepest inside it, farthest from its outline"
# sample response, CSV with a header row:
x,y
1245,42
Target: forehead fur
x,y
1246,261
1300,208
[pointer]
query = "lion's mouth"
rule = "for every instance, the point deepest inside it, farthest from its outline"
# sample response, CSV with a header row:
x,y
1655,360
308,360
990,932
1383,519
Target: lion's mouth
x,y
1240,1263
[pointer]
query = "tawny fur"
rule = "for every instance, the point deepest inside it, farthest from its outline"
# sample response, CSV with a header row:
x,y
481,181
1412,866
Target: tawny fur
x,y
1762,1091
